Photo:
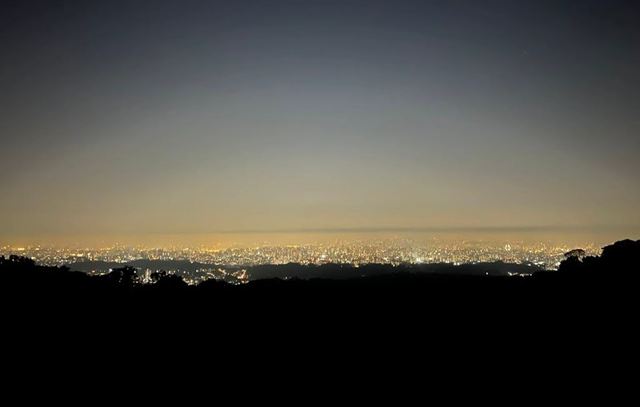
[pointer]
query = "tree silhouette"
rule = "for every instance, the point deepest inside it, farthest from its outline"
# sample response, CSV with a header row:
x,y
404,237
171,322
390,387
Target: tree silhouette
x,y
125,277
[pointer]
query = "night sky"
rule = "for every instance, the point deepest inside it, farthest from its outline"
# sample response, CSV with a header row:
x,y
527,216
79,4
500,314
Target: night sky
x,y
185,117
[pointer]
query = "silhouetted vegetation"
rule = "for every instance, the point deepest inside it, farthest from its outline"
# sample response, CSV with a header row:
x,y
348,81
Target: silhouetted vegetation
x,y
588,296
619,261
616,268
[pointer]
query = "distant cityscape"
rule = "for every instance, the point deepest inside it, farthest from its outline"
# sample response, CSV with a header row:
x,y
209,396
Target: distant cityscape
x,y
228,263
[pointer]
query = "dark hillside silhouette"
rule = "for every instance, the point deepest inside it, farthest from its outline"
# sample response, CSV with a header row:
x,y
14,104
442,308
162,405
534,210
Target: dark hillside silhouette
x,y
619,261
615,270
584,299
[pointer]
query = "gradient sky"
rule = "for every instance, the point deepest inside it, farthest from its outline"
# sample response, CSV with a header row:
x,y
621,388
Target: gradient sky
x,y
184,117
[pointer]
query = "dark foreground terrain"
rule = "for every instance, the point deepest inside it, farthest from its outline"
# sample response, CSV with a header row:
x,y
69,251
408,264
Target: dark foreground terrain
x,y
591,283
582,317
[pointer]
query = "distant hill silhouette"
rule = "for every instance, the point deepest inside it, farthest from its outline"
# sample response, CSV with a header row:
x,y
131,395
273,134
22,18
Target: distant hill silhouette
x,y
311,271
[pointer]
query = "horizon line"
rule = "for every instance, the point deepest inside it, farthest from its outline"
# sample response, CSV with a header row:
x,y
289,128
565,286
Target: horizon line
x,y
350,230
434,229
